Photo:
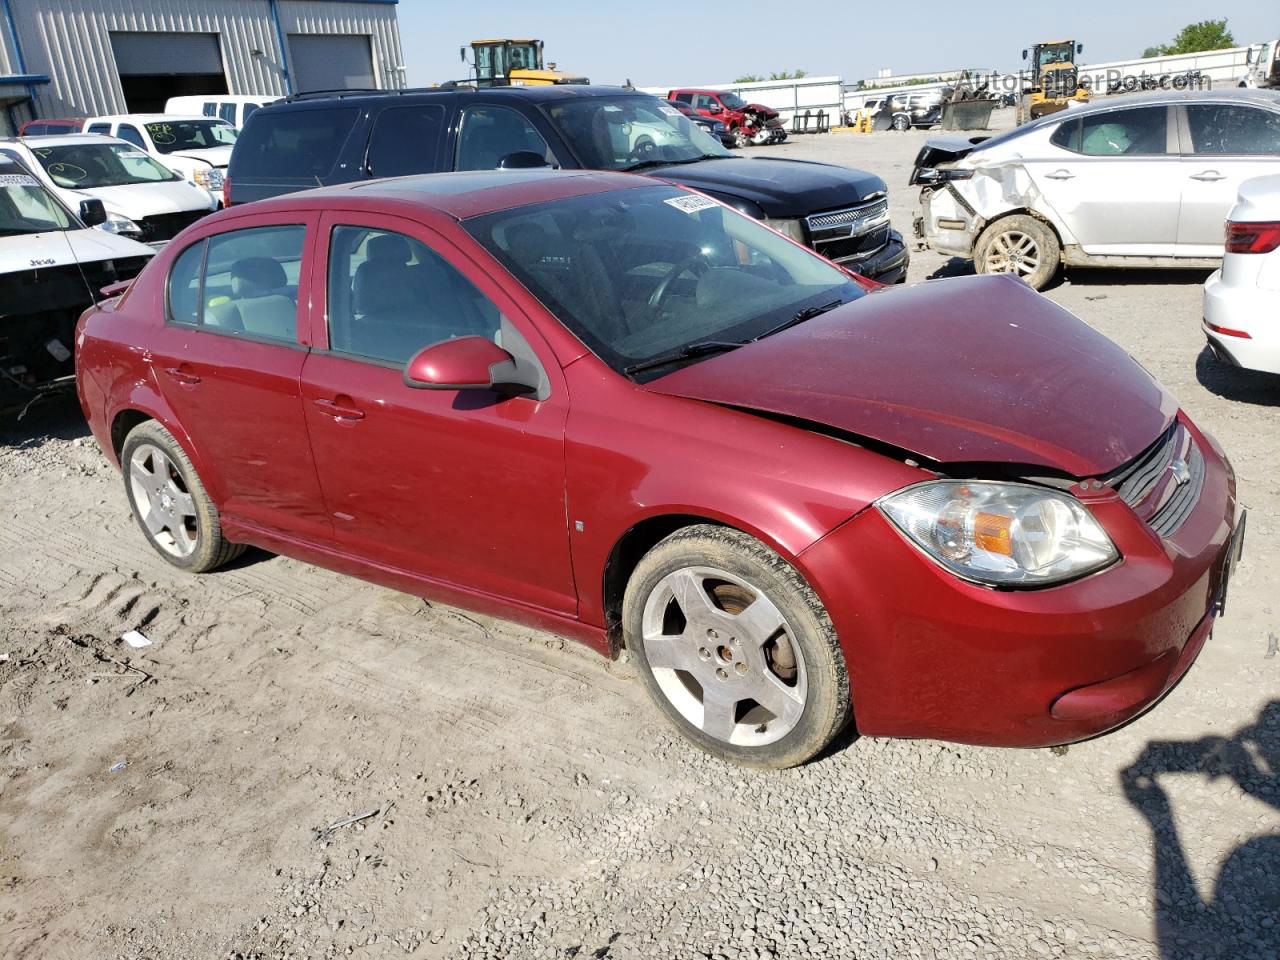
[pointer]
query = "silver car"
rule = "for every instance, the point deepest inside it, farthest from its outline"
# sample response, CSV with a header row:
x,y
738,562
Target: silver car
x,y
1126,181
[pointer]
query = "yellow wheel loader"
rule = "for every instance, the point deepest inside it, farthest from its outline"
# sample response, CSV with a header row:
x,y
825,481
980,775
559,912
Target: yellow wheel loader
x,y
1055,82
515,63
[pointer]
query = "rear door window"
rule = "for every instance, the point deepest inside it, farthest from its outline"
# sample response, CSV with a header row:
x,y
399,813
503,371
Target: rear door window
x,y
489,133
1137,132
1226,129
293,145
103,128
132,134
227,112
405,140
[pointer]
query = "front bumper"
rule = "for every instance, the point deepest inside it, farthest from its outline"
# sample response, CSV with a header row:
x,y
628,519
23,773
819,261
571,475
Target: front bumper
x,y
1245,310
930,655
886,265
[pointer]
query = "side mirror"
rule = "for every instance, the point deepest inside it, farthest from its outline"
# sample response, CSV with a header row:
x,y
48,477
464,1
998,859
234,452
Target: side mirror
x,y
715,108
1024,54
522,160
467,363
1079,48
92,212
462,52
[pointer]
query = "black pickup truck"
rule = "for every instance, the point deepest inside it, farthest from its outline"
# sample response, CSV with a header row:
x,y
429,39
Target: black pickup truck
x,y
320,139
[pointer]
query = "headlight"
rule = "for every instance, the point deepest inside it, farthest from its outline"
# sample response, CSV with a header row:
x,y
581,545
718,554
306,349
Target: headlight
x,y
791,228
1002,534
121,225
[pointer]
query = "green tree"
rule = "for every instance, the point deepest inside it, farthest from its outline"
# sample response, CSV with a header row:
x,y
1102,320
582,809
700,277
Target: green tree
x,y
1196,38
784,75
749,78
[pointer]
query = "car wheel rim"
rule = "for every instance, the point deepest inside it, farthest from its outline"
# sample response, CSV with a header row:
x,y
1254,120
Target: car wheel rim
x,y
1013,252
163,502
724,656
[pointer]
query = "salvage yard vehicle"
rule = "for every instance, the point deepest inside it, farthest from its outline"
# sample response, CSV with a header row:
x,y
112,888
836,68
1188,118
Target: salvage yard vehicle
x,y
714,127
196,147
316,140
1242,299
1262,66
1054,81
41,128
616,409
750,123
143,199
234,108
515,62
1132,181
52,267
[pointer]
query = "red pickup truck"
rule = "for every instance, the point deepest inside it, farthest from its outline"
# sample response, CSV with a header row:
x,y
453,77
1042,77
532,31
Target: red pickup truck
x,y
748,122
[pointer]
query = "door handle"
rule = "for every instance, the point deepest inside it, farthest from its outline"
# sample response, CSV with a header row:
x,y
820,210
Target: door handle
x,y
1208,176
338,410
1060,175
182,376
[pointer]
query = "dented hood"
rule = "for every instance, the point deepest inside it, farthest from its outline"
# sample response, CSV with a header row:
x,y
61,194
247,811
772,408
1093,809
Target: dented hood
x,y
972,369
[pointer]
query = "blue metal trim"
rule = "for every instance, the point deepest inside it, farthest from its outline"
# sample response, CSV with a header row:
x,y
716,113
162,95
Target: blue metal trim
x,y
284,51
17,55
26,79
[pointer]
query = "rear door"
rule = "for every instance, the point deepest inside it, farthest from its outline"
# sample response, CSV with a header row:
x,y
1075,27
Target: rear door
x,y
295,149
460,486
406,140
1223,145
228,360
1114,180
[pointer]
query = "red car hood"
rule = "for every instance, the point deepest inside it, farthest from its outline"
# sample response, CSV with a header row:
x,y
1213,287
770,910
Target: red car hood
x,y
967,370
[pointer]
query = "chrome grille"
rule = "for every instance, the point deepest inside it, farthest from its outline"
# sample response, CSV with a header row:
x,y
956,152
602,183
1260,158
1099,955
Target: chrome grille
x,y
849,223
1135,479
1164,506
1186,495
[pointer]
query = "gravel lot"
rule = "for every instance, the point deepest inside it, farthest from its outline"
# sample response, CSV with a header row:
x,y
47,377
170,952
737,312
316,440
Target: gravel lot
x,y
171,802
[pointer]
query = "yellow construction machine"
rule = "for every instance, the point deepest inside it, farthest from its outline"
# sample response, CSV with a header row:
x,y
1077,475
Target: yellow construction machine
x,y
1055,81
516,63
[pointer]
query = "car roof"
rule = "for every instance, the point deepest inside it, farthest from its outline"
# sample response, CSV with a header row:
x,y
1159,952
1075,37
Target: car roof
x,y
539,94
147,117
66,139
458,196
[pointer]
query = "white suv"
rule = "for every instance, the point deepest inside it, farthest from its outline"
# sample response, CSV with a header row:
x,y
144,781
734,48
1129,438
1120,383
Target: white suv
x,y
198,148
1242,300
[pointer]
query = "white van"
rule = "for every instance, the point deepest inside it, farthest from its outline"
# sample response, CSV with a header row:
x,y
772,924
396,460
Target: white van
x,y
199,148
233,108
52,268
144,199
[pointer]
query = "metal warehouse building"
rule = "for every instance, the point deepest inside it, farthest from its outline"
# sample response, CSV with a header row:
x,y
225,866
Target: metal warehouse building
x,y
70,58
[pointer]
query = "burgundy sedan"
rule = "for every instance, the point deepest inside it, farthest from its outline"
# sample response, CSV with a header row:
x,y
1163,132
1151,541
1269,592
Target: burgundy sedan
x,y
621,411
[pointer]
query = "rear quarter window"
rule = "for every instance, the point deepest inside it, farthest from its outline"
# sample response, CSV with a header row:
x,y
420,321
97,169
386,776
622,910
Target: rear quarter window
x,y
292,145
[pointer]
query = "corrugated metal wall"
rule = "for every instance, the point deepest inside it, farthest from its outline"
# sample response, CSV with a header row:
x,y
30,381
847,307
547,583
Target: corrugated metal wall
x,y
70,41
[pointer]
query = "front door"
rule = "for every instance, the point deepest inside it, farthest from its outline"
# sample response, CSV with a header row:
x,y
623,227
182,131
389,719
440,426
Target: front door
x,y
228,361
1227,144
1112,180
461,486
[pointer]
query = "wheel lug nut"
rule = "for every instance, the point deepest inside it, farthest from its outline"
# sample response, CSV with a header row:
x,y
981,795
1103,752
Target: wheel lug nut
x,y
704,653
720,672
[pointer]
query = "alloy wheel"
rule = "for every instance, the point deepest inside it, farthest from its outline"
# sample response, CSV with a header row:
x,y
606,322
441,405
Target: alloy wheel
x,y
163,502
723,655
1013,252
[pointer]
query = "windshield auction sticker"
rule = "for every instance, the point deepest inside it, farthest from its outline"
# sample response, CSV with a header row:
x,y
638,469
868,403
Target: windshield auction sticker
x,y
17,180
690,203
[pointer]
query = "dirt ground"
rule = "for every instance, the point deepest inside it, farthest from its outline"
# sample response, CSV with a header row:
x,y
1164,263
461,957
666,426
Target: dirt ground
x,y
523,797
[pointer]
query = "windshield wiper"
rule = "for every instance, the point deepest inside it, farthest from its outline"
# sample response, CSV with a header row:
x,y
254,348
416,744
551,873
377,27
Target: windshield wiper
x,y
687,352
644,164
800,316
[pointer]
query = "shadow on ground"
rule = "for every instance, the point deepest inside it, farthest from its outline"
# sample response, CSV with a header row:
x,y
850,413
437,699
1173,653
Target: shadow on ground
x,y
1234,383
55,417
1241,917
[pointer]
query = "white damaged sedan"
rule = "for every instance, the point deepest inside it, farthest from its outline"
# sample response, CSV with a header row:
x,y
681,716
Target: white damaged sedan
x,y
1125,181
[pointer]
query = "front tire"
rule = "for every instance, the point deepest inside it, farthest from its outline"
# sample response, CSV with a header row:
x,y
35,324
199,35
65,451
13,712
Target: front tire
x,y
170,503
901,123
735,648
1020,245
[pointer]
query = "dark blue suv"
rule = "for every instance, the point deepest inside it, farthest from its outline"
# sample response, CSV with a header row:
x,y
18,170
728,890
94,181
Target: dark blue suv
x,y
319,139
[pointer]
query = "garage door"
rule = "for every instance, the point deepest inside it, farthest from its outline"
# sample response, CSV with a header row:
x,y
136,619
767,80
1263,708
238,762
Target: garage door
x,y
331,62
151,54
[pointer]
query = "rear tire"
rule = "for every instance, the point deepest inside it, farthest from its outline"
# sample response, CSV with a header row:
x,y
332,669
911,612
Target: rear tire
x,y
1020,245
735,648
901,123
170,503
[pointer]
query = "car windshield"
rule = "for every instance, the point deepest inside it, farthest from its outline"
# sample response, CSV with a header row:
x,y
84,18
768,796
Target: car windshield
x,y
732,101
630,132
84,165
25,207
173,135
652,272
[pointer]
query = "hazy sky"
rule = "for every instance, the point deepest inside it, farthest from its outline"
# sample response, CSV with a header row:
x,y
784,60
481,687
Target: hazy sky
x,y
662,42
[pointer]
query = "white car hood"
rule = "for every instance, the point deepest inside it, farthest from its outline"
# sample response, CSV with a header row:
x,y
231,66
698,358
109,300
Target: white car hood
x,y
58,248
214,156
138,200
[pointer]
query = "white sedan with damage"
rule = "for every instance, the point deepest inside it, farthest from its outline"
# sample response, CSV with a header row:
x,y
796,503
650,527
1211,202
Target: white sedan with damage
x,y
1128,181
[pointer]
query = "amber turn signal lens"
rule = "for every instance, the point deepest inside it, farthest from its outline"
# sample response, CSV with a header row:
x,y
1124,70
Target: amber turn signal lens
x,y
991,533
